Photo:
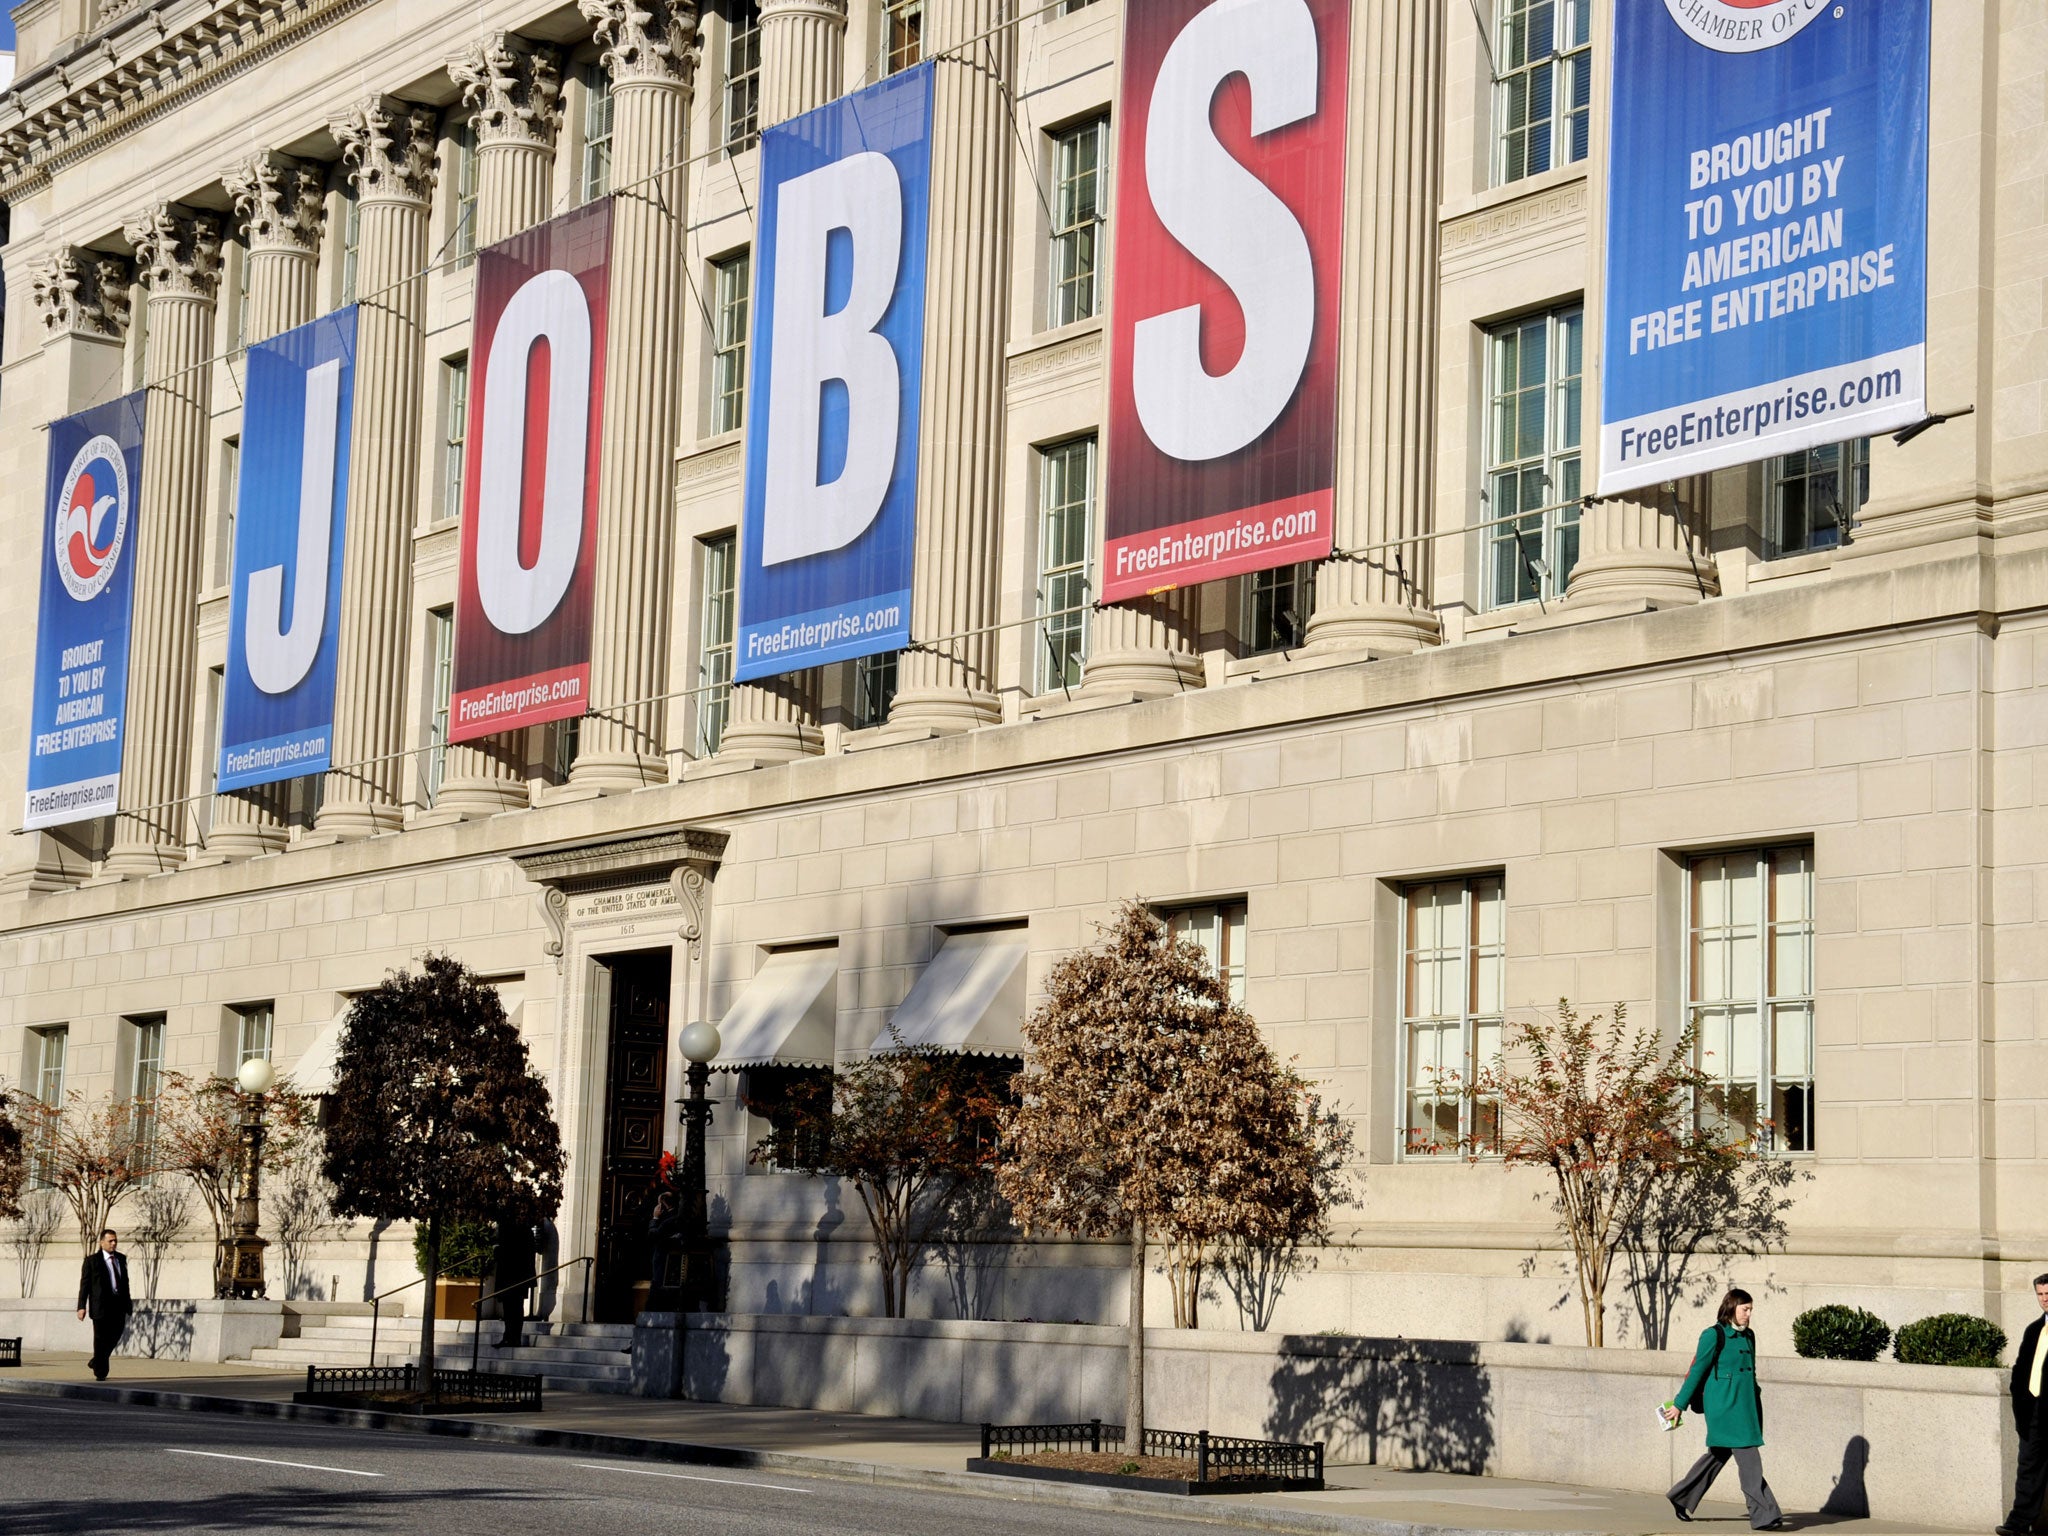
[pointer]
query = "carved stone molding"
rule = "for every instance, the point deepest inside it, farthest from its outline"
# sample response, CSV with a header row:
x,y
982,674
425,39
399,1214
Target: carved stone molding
x,y
280,201
685,858
513,89
82,293
688,883
1076,353
177,250
645,42
1503,233
709,466
389,147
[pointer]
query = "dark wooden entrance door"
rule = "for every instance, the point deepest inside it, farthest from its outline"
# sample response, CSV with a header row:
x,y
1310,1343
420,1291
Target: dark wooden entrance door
x,y
635,1105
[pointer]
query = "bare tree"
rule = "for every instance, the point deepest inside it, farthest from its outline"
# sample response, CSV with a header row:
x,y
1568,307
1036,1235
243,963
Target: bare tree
x,y
92,1154
42,1211
301,1212
162,1209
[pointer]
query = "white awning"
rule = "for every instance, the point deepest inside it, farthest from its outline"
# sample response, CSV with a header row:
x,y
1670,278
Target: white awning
x,y
788,1015
970,998
313,1073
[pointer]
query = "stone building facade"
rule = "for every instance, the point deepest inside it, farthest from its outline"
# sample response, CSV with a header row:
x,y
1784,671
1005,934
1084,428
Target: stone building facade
x,y
1765,749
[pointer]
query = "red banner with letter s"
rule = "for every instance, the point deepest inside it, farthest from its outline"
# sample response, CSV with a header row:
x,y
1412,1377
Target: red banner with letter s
x,y
528,574
1223,330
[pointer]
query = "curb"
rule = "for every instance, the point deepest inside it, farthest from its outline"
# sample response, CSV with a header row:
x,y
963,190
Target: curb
x,y
1308,1522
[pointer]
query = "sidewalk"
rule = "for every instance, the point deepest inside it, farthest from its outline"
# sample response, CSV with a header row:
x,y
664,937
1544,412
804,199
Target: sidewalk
x,y
1368,1500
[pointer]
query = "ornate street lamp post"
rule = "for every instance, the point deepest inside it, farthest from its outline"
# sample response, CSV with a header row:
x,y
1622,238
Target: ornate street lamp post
x,y
245,1247
699,1044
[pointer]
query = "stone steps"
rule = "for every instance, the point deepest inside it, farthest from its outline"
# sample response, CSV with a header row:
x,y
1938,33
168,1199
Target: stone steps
x,y
573,1357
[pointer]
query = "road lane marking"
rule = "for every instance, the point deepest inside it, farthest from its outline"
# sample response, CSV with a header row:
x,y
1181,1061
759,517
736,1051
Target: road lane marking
x,y
303,1466
691,1477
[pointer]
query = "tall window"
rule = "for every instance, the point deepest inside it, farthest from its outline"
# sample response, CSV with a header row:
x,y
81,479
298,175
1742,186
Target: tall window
x,y
903,34
565,742
714,644
597,133
1454,951
1534,369
216,720
1543,103
254,1025
454,433
1815,496
234,272
743,77
1080,158
1218,929
780,1096
51,1047
441,665
351,244
729,345
1749,991
138,333
230,488
874,689
1066,546
463,140
1277,604
146,1073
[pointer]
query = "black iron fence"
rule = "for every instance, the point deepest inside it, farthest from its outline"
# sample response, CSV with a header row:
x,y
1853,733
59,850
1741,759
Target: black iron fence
x,y
496,1388
1216,1457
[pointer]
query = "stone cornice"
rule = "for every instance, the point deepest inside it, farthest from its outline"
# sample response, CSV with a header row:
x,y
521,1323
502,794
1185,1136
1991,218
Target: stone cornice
x,y
82,293
654,854
279,201
513,89
645,42
177,250
138,67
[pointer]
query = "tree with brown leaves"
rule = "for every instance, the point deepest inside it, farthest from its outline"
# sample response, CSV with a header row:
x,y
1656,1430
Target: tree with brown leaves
x,y
91,1153
1151,1108
1614,1115
907,1127
199,1135
439,1113
13,1158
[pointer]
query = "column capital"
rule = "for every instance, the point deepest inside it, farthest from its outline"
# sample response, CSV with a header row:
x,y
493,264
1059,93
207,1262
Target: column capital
x,y
824,10
513,89
279,200
177,250
389,148
645,42
82,293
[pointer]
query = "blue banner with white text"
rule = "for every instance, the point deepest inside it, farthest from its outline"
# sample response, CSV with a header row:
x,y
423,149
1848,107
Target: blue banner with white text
x,y
91,519
1766,231
838,357
284,609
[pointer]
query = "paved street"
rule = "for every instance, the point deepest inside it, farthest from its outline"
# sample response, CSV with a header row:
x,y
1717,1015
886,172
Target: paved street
x,y
77,1466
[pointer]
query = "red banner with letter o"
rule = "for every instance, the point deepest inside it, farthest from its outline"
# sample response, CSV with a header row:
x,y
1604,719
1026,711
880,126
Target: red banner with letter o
x,y
528,574
1222,428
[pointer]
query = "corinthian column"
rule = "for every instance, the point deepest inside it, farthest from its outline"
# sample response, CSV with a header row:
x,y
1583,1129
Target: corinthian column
x,y
1636,551
802,47
513,90
650,49
951,687
1386,385
389,148
177,251
279,202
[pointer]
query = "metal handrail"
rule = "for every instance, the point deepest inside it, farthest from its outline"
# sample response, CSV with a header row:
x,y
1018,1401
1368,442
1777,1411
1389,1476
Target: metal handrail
x,y
476,1308
377,1307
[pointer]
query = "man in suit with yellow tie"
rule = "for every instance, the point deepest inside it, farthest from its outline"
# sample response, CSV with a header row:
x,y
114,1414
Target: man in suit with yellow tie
x,y
2031,1485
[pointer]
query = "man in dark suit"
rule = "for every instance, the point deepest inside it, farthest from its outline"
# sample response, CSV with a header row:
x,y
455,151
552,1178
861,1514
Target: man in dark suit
x,y
2031,1485
103,1292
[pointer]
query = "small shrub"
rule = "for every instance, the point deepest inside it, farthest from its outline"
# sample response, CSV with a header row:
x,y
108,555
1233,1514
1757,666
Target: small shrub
x,y
467,1248
1836,1332
1950,1338
1129,1469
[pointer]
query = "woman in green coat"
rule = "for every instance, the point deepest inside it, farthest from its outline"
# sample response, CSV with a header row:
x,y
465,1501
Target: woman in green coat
x,y
1722,1386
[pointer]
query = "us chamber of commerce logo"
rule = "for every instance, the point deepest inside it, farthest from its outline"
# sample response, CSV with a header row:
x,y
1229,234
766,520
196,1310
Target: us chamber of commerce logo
x,y
92,519
1747,26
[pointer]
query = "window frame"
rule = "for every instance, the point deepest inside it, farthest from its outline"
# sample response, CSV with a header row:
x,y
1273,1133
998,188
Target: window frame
x,y
732,279
717,628
440,690
1226,942
1069,234
1564,75
246,1016
1468,1024
1557,467
594,159
873,688
145,1073
1779,476
1062,631
454,434
231,489
902,49
741,120
1767,1001
463,189
351,242
1265,588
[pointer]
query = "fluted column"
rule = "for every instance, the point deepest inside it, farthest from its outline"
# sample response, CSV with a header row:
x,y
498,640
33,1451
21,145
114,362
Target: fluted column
x,y
1146,648
650,49
803,50
802,53
951,687
513,90
1386,382
1651,550
279,200
177,252
388,146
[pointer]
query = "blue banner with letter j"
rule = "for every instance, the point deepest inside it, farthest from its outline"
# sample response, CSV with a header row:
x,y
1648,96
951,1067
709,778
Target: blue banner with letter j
x,y
1766,274
838,356
277,712
90,522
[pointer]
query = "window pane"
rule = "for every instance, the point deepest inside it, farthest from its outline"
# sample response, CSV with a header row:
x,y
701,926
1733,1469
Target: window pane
x,y
715,643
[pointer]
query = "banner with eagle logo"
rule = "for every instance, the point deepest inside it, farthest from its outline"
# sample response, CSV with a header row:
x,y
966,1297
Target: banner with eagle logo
x,y
88,592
